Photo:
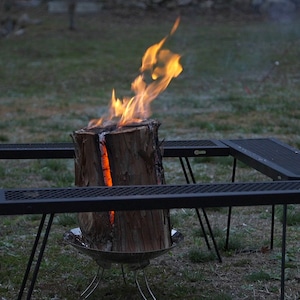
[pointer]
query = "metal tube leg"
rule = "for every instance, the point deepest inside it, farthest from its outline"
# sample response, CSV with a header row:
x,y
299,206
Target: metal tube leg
x,y
38,263
283,251
138,285
272,227
230,208
184,170
123,274
204,212
190,169
33,251
212,235
147,285
228,228
203,230
188,182
93,285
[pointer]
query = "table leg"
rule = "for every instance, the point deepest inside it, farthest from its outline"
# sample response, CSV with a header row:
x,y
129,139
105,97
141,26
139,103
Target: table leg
x,y
197,210
272,227
32,255
40,257
29,264
230,208
283,251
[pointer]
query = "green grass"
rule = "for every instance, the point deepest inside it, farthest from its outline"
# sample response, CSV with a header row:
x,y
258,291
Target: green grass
x,y
292,216
72,74
258,276
53,81
199,256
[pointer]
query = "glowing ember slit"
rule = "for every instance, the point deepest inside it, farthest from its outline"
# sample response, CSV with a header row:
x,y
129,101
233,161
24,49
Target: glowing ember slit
x,y
105,165
106,170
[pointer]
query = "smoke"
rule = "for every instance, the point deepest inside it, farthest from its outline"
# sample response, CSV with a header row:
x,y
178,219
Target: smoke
x,y
279,10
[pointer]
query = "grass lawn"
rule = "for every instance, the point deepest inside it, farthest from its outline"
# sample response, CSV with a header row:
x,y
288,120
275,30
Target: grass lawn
x,y
241,79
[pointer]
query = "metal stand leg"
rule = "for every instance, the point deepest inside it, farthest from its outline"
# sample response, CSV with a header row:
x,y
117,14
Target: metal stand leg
x,y
147,286
123,274
197,210
283,251
29,264
272,227
230,208
230,211
31,258
40,257
93,285
212,236
228,228
202,228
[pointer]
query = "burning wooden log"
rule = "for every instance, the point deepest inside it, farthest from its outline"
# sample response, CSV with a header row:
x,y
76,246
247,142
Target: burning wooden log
x,y
127,155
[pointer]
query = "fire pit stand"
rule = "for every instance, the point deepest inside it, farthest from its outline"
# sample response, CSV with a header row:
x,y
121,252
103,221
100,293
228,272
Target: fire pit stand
x,y
97,278
93,285
136,262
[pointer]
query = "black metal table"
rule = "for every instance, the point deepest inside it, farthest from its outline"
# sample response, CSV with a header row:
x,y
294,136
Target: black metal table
x,y
59,200
182,149
269,156
140,197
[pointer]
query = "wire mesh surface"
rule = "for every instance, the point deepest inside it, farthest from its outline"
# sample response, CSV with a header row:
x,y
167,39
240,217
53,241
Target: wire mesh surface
x,y
131,191
59,200
270,153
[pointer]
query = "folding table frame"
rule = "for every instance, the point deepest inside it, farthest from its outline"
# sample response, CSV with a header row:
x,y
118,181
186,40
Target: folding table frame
x,y
178,149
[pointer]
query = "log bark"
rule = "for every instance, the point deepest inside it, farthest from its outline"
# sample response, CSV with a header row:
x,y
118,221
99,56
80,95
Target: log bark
x,y
134,159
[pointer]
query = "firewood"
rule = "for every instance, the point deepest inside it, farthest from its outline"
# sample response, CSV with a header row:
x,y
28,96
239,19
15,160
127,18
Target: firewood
x,y
128,155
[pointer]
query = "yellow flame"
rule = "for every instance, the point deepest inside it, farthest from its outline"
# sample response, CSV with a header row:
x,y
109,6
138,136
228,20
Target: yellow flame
x,y
163,66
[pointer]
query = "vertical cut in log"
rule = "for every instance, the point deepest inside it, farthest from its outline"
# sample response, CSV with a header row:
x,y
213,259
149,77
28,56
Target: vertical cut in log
x,y
134,159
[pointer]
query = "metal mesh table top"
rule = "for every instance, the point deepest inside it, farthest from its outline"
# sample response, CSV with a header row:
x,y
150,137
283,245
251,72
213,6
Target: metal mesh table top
x,y
20,201
144,190
270,156
188,148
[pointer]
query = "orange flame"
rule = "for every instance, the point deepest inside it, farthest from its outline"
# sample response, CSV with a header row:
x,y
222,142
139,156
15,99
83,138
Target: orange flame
x,y
163,66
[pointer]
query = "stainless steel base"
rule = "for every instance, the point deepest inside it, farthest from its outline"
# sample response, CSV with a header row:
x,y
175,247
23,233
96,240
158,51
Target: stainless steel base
x,y
136,262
